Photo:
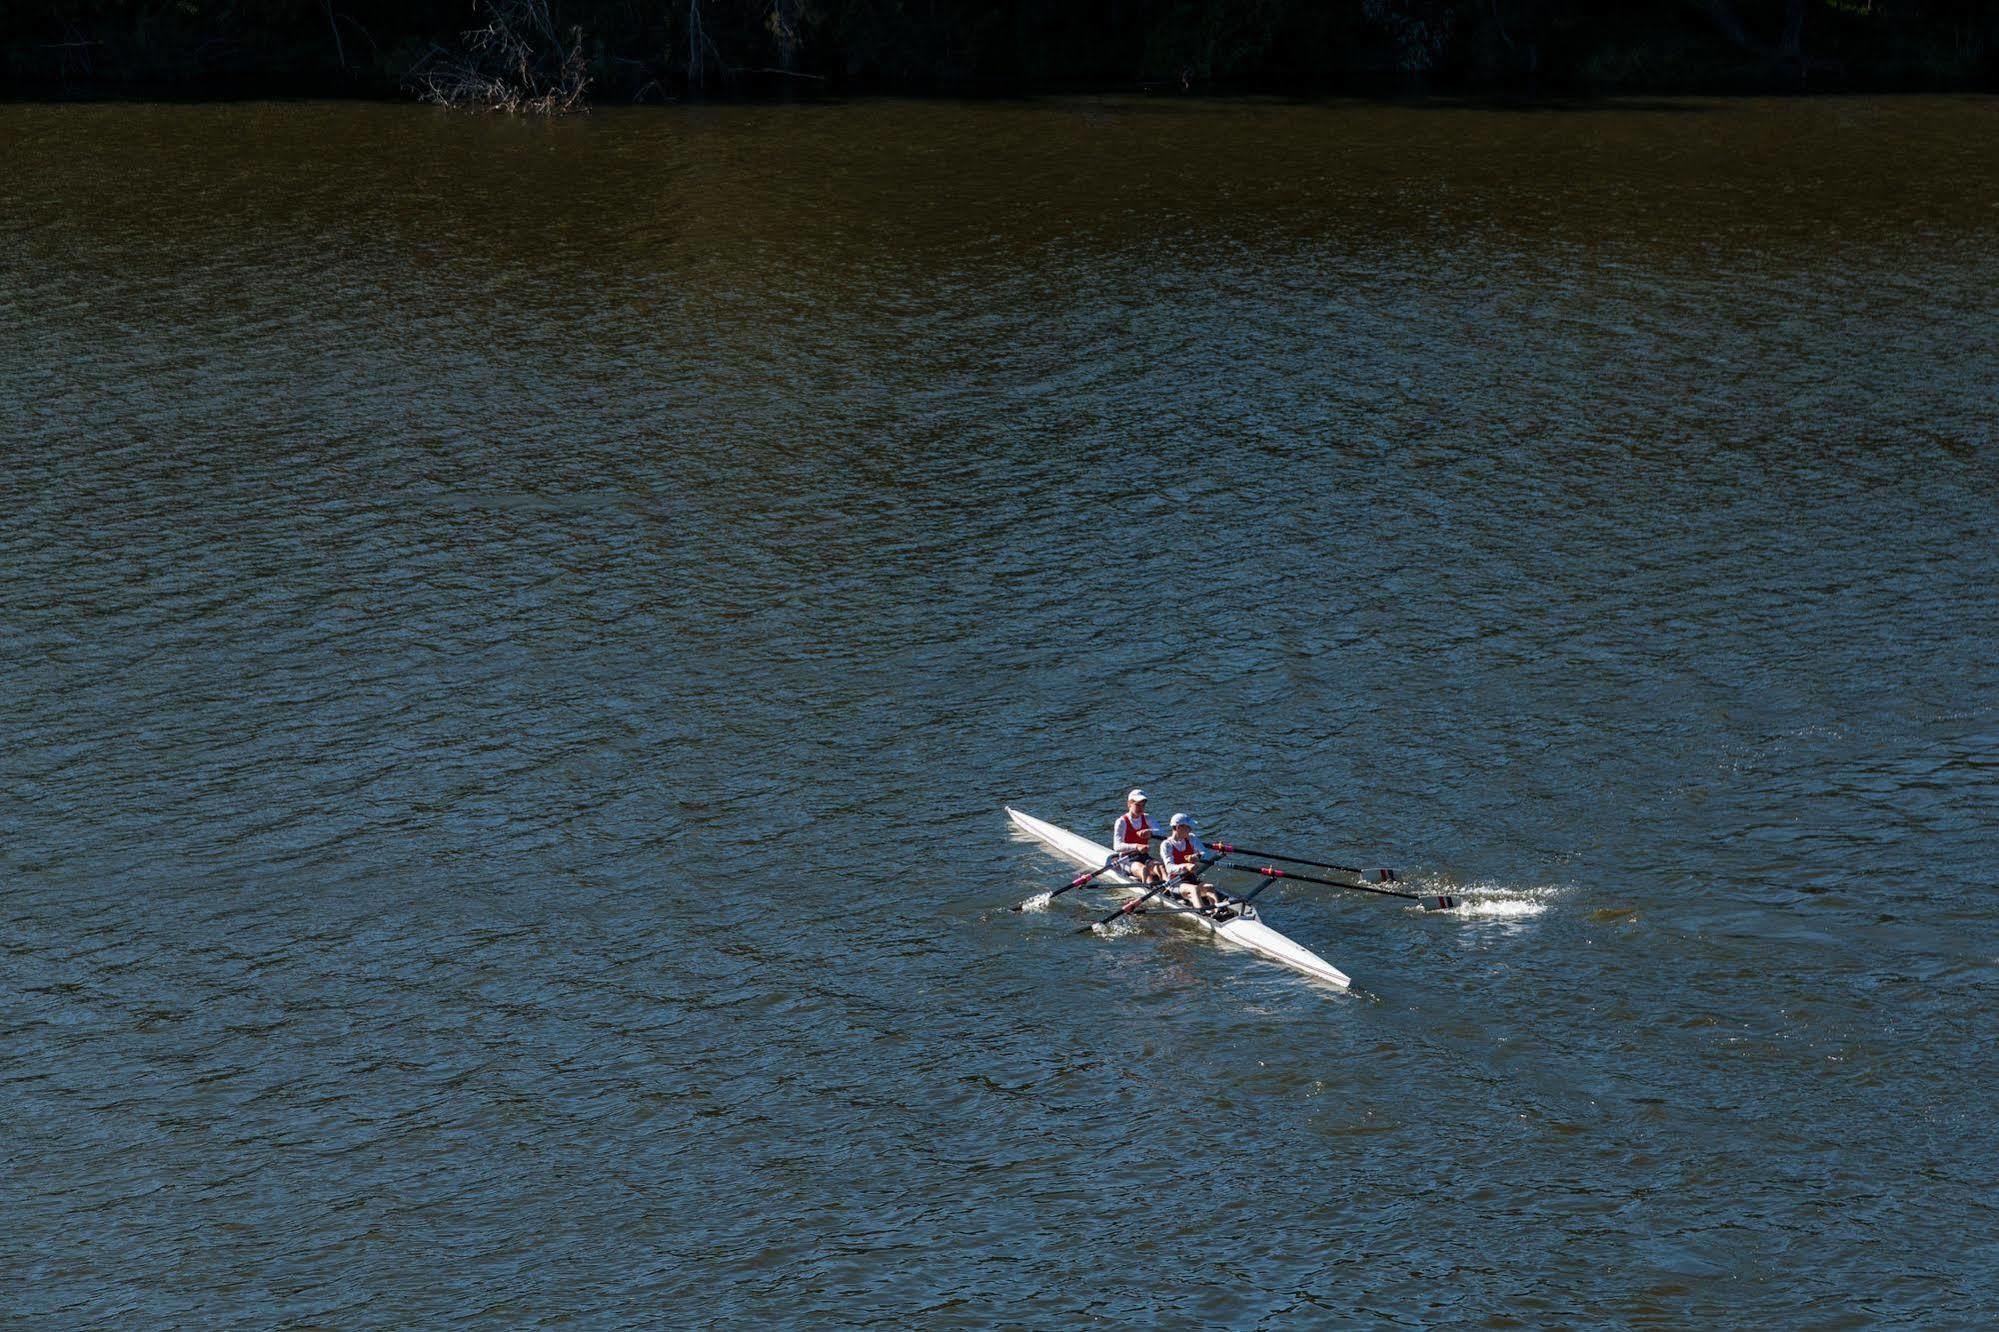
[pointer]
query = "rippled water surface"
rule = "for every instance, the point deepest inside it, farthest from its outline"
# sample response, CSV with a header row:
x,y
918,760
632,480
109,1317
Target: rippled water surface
x,y
516,638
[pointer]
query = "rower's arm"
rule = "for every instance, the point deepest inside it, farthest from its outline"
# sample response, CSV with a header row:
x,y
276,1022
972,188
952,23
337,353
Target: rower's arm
x,y
1118,842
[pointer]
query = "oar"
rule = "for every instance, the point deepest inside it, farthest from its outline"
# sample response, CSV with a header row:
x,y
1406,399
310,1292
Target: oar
x,y
1435,902
1109,865
1380,875
1137,902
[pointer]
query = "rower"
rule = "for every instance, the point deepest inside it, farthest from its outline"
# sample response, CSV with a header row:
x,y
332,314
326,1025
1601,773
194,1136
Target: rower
x,y
1181,853
1131,836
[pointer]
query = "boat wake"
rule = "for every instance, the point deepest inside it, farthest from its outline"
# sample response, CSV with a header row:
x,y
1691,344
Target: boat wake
x,y
1497,901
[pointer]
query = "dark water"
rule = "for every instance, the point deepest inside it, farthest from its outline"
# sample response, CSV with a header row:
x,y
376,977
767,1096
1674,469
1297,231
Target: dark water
x,y
516,638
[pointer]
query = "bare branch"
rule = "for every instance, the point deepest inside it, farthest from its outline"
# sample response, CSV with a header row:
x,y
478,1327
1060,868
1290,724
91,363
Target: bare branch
x,y
515,63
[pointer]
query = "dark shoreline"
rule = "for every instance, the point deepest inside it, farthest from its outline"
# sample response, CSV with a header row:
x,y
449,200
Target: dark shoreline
x,y
729,51
1510,95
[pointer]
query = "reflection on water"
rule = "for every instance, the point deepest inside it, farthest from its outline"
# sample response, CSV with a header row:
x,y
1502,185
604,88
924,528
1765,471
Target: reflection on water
x,y
517,637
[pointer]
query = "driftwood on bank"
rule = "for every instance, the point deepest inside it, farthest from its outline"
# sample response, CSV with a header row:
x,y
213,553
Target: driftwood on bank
x,y
517,62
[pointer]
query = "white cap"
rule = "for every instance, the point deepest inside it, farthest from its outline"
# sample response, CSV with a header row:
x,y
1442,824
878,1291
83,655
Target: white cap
x,y
1134,794
1182,821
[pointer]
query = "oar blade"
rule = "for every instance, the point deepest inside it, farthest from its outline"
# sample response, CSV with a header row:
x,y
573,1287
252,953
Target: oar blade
x,y
1385,876
1440,902
1099,926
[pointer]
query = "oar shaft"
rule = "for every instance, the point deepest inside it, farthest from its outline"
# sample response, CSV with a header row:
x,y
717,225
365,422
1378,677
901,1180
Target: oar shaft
x,y
1385,875
1114,862
1441,903
1272,872
1135,903
1251,895
1155,890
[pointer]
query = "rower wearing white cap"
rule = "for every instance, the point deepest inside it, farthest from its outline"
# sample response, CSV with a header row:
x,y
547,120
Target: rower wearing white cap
x,y
1182,852
1132,836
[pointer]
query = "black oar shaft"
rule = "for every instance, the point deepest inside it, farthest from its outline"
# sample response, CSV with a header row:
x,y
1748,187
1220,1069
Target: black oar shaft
x,y
1272,873
1386,875
1251,897
1133,905
1153,892
1115,862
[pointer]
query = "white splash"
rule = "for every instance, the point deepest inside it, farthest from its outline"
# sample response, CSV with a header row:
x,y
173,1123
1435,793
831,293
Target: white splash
x,y
1498,901
1500,907
1038,902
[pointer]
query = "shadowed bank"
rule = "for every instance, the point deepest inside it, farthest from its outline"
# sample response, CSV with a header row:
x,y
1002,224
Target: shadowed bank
x,y
555,54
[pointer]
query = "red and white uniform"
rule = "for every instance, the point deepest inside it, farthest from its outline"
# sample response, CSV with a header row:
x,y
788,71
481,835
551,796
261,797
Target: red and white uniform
x,y
1183,853
1133,835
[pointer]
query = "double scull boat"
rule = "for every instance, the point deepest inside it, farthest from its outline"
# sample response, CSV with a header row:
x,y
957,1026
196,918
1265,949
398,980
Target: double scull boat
x,y
1246,930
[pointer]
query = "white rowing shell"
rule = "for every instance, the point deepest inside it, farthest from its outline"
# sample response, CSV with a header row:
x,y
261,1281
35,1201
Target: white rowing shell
x,y
1243,931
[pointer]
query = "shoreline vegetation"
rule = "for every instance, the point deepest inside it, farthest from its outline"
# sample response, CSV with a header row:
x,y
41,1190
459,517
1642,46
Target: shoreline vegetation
x,y
552,56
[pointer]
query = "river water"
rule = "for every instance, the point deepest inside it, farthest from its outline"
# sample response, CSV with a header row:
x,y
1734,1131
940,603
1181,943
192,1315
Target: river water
x,y
517,637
